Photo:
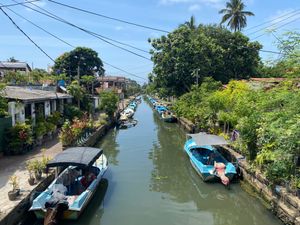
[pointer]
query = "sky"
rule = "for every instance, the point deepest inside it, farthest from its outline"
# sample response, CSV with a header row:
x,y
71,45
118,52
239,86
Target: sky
x,y
161,14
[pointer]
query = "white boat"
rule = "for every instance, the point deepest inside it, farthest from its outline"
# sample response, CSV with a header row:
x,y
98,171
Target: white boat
x,y
75,185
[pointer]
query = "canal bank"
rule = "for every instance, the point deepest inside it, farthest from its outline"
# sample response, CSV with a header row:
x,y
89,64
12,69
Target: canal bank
x,y
278,199
150,181
16,212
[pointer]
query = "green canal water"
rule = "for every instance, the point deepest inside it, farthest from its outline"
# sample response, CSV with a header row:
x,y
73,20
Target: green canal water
x,y
151,181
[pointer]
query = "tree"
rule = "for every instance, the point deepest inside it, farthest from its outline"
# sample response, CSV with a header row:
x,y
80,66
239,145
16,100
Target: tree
x,y
89,81
12,77
81,59
12,59
234,12
76,91
288,65
108,102
37,75
191,24
211,50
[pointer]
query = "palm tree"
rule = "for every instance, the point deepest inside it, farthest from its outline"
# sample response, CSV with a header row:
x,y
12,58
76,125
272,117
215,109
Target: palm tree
x,y
190,24
235,14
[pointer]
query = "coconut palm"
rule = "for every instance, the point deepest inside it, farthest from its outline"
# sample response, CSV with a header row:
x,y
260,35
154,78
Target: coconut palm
x,y
190,24
236,15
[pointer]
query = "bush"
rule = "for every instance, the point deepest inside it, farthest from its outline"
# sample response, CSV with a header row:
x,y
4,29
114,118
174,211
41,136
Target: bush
x,y
40,129
109,102
19,139
70,112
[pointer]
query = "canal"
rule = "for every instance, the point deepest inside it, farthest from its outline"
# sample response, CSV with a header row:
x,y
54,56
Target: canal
x,y
151,181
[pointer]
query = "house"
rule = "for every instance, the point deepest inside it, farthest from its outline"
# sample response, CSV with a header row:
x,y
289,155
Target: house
x,y
29,103
112,83
21,67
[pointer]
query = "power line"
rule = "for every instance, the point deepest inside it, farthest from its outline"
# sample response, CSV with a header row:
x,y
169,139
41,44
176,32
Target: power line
x,y
19,3
131,74
41,28
277,28
96,35
65,42
264,28
26,35
108,17
270,21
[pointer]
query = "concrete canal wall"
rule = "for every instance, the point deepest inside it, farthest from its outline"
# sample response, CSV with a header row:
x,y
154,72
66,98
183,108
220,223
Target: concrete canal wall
x,y
19,213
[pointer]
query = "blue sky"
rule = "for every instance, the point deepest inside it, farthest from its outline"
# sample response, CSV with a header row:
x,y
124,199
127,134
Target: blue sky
x,y
164,14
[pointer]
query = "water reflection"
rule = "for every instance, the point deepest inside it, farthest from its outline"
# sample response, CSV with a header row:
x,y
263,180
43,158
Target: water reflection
x,y
174,176
110,147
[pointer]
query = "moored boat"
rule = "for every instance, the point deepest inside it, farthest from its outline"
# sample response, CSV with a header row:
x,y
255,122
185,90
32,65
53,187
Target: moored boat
x,y
75,185
206,160
168,116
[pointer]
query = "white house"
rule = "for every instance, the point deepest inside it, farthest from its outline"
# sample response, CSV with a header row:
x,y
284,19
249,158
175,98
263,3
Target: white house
x,y
28,103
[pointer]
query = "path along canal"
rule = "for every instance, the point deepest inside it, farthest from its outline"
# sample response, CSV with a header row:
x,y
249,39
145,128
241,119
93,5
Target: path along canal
x,y
151,181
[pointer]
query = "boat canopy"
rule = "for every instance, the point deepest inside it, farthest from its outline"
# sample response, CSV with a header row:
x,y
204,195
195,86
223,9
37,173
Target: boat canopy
x,y
203,138
76,156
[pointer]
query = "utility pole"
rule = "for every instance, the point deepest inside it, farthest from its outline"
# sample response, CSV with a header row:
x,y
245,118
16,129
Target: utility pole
x,y
196,74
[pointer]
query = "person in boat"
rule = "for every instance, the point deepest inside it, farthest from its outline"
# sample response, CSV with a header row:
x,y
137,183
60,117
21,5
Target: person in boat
x,y
220,171
87,179
211,158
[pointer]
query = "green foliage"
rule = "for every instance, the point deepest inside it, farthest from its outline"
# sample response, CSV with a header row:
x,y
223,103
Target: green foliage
x,y
87,59
36,76
71,111
18,78
268,121
108,102
288,65
19,139
76,91
55,118
213,51
3,103
40,129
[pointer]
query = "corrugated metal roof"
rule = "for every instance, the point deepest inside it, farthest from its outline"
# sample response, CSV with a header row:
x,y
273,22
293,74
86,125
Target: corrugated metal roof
x,y
14,65
29,94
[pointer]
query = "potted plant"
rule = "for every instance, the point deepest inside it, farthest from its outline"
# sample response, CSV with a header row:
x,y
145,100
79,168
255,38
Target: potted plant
x,y
50,128
40,131
44,161
37,169
14,193
30,168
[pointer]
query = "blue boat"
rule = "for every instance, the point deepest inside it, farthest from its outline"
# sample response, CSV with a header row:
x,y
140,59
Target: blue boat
x,y
75,185
160,109
206,160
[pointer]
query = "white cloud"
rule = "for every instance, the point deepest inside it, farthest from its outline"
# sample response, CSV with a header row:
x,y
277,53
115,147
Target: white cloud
x,y
194,7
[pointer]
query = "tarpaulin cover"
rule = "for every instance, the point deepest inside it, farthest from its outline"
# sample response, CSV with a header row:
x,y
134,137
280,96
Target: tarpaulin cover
x,y
203,138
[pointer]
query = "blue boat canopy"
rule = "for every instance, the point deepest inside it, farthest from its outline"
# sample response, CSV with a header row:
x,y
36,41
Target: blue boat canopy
x,y
203,138
76,156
